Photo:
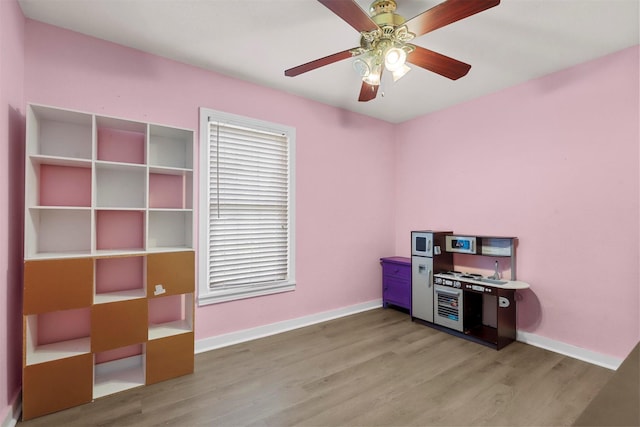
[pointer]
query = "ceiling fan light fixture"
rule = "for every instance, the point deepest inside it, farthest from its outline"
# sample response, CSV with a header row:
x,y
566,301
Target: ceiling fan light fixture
x,y
362,68
400,72
394,59
374,76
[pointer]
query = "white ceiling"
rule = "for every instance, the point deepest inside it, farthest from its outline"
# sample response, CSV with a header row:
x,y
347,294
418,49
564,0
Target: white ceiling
x,y
256,40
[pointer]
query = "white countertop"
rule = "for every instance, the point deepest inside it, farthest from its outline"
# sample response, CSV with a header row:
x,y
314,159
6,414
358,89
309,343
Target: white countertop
x,y
508,284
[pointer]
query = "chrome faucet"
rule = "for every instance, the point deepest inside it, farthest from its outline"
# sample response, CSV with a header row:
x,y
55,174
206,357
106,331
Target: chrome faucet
x,y
496,273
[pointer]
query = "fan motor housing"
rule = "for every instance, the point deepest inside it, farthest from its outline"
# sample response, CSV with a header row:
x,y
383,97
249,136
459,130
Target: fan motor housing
x,y
384,19
383,13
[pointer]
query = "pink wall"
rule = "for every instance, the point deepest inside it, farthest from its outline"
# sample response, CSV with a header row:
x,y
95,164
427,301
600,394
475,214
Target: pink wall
x,y
11,172
344,174
555,163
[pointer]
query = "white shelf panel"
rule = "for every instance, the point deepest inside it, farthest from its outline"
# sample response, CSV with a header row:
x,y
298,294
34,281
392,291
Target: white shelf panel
x,y
120,166
59,255
119,296
169,249
106,253
115,208
169,171
60,161
59,350
170,210
164,330
61,208
117,376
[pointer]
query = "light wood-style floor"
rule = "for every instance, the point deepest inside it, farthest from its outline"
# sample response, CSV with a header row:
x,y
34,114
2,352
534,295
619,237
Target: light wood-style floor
x,y
373,368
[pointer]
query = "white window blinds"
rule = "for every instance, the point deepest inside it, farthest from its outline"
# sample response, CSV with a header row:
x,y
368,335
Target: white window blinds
x,y
249,221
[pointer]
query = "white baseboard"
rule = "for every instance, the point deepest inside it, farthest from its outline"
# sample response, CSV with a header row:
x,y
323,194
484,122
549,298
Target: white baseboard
x,y
13,415
579,353
232,338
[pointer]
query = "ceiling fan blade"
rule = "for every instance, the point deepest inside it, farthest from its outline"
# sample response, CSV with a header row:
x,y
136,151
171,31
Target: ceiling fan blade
x,y
351,13
446,13
292,72
438,63
368,92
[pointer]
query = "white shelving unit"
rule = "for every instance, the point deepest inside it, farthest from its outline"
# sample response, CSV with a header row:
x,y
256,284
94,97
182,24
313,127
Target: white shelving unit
x,y
82,164
102,195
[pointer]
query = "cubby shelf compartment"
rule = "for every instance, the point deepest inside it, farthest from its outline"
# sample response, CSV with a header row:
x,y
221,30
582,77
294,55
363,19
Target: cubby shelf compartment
x,y
170,315
119,279
118,375
57,232
64,186
59,133
120,140
119,230
170,189
170,147
170,230
120,185
56,335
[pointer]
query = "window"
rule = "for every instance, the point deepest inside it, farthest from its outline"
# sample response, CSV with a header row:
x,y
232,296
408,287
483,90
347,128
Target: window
x,y
246,207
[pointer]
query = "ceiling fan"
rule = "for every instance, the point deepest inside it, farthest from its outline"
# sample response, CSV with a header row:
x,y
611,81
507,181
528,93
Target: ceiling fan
x,y
385,37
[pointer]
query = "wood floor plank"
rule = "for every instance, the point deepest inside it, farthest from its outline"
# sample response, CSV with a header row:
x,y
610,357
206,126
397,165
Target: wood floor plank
x,y
376,368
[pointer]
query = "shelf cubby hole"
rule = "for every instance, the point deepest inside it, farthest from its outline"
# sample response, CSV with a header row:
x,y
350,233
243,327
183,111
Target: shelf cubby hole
x,y
119,279
121,141
118,370
120,186
58,232
170,230
60,133
170,147
57,335
170,315
119,230
171,191
64,186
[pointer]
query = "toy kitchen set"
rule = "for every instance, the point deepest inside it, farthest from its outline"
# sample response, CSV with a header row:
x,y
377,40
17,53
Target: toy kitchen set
x,y
469,305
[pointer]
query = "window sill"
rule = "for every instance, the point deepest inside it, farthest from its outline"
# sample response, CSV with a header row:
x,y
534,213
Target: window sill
x,y
214,297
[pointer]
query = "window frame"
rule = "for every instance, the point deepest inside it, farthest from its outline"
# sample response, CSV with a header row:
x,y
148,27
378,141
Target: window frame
x,y
206,295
